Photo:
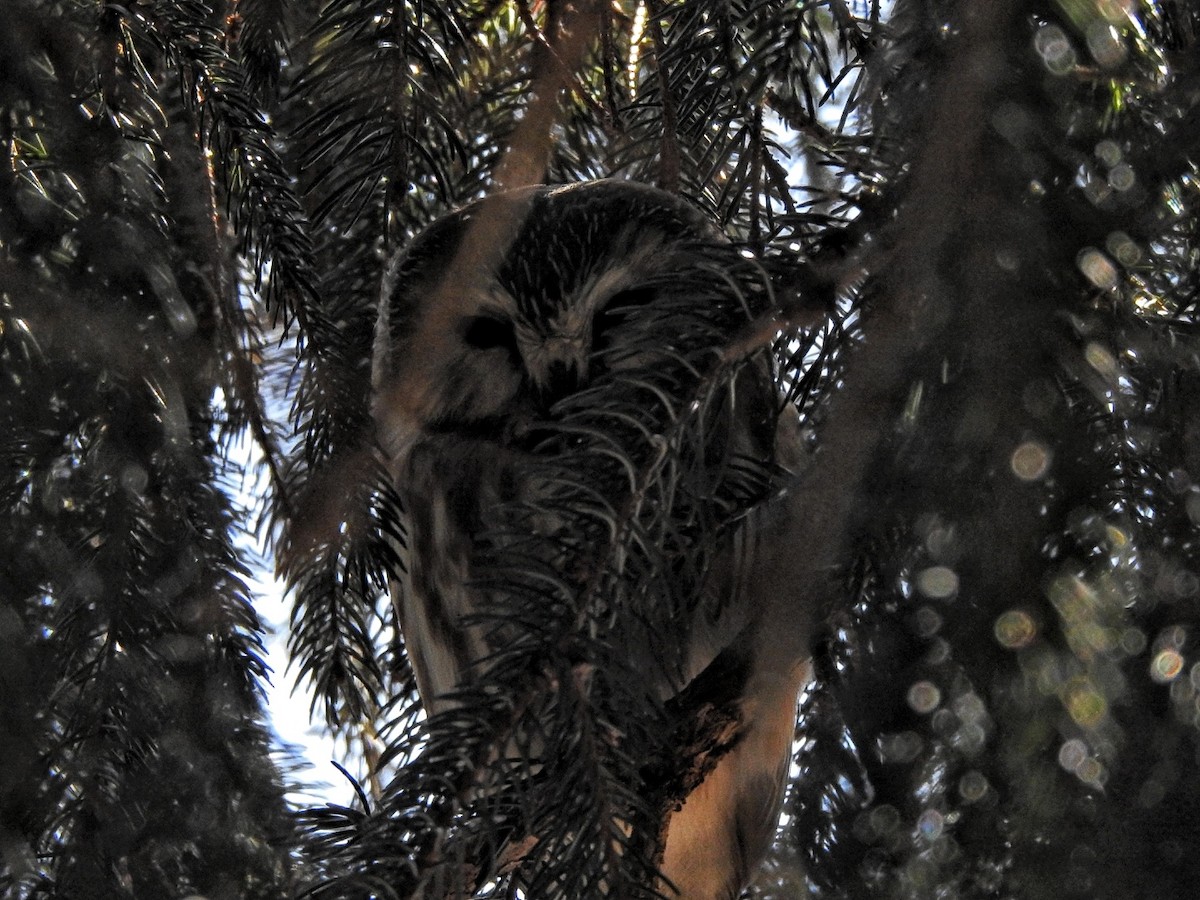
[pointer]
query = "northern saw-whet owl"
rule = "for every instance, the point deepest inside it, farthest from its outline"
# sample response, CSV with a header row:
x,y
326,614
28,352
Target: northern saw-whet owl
x,y
557,382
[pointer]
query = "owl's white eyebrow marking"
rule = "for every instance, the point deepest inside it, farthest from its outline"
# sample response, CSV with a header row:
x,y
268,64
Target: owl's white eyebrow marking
x,y
572,324
638,252
599,289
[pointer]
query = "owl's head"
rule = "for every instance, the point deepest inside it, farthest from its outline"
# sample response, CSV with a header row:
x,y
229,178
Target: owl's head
x,y
501,309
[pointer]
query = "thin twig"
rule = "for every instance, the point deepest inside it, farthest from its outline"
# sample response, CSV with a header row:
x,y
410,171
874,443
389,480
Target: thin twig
x,y
668,176
568,68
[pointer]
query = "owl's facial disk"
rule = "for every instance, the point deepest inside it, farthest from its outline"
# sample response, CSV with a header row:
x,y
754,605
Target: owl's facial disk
x,y
546,362
503,310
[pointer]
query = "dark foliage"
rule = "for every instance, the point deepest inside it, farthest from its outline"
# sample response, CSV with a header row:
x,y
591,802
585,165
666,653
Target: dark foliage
x,y
971,257
135,761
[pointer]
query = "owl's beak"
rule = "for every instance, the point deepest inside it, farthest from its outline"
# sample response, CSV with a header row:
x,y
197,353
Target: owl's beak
x,y
564,369
563,378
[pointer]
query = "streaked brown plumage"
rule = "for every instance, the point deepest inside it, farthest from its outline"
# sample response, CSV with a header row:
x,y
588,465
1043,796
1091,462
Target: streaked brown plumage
x,y
499,317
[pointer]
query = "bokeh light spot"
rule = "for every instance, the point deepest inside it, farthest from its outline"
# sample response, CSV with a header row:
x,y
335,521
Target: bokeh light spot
x,y
1055,49
1122,177
1091,771
1117,537
1166,665
1030,460
930,824
1086,706
1097,268
1015,629
1192,505
1123,248
937,582
924,697
927,621
973,786
1071,754
1133,641
884,819
1105,44
134,478
1108,152
1100,359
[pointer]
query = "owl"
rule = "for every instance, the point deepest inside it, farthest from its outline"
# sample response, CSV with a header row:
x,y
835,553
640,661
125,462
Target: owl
x,y
557,380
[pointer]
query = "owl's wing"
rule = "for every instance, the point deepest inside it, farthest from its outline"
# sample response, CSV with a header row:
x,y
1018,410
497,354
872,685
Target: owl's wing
x,y
444,484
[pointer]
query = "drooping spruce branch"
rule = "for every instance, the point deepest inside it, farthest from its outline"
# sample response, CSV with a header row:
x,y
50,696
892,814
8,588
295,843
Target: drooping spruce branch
x,y
139,762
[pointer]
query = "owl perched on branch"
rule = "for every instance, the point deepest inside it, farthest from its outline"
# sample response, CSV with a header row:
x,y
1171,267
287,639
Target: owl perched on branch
x,y
577,403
